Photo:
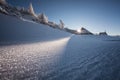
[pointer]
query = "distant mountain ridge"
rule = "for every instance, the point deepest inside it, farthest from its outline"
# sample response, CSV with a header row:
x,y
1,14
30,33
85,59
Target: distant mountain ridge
x,y
85,31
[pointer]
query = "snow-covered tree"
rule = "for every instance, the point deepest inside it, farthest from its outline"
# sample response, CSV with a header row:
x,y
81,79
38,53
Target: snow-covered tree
x,y
43,18
61,25
31,10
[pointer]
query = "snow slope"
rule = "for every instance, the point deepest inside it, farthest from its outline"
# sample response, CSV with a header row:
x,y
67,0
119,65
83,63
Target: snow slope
x,y
71,58
51,54
14,29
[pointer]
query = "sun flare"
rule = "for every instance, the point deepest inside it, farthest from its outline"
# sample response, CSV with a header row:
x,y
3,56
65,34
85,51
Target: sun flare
x,y
78,30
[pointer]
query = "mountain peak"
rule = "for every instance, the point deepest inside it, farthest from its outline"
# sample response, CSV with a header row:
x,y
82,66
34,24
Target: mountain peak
x,y
84,31
103,33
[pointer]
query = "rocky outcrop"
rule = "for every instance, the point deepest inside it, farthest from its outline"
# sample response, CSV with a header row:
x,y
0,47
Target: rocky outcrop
x,y
61,25
103,33
42,18
31,10
84,31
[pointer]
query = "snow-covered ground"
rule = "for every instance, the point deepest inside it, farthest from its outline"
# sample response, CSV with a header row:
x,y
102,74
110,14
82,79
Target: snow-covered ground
x,y
38,52
13,29
24,61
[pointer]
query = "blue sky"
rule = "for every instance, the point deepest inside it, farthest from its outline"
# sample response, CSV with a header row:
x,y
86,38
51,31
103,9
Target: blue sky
x,y
95,15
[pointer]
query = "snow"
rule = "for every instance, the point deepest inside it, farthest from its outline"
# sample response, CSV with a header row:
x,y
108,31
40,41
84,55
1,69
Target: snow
x,y
19,59
31,10
14,29
31,51
84,31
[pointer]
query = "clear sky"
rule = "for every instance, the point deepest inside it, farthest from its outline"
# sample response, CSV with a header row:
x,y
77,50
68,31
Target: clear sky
x,y
95,15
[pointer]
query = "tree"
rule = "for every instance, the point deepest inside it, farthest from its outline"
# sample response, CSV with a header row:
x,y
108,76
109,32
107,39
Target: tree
x,y
31,10
43,18
61,25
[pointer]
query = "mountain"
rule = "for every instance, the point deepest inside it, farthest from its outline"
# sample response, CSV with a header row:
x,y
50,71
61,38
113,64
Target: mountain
x,y
103,33
28,15
71,31
84,31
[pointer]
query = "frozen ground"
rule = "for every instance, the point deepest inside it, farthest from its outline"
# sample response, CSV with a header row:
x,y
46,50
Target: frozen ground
x,y
15,30
42,53
70,58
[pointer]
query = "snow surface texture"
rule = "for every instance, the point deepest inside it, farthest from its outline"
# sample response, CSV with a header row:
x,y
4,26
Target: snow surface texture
x,y
38,52
13,29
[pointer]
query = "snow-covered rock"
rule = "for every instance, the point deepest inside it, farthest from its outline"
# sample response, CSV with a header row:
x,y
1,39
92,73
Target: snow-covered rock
x,y
29,15
61,25
71,31
3,11
42,18
84,31
31,10
103,33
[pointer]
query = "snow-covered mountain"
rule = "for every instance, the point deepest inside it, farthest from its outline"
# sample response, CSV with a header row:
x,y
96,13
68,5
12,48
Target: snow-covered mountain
x,y
85,31
28,14
81,31
40,52
20,24
14,29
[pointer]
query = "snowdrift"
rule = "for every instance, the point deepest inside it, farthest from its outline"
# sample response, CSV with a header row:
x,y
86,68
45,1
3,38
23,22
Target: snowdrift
x,y
13,29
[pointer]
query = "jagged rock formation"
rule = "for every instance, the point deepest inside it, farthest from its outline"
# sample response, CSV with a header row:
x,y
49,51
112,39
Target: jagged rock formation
x,y
42,18
61,25
58,26
29,15
52,24
3,11
103,33
31,10
70,31
84,31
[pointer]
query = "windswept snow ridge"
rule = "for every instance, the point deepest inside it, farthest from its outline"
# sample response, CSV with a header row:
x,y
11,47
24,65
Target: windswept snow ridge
x,y
17,30
28,15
